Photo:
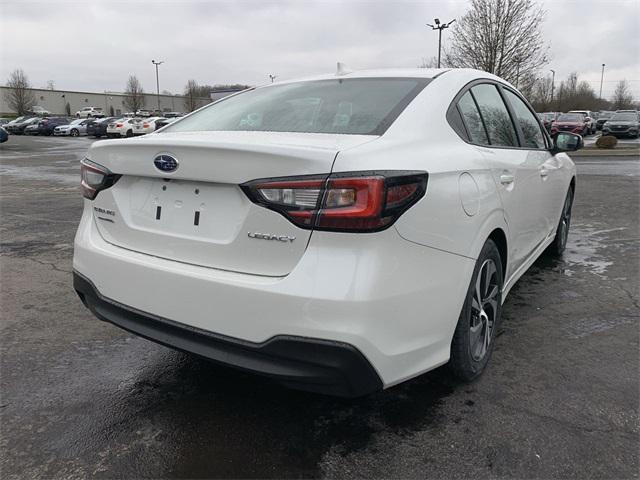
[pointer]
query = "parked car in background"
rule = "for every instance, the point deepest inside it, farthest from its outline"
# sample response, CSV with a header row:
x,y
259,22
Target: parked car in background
x,y
88,112
165,121
98,127
19,127
624,124
143,113
603,116
73,129
4,121
571,122
629,111
4,135
37,110
123,127
11,123
47,125
591,118
146,125
547,119
31,129
346,247
172,114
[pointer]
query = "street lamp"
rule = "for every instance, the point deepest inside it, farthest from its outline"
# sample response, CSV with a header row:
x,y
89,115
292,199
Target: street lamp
x,y
157,81
553,83
601,79
438,26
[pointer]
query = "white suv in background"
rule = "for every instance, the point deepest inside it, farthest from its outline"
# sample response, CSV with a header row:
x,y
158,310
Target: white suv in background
x,y
340,234
88,112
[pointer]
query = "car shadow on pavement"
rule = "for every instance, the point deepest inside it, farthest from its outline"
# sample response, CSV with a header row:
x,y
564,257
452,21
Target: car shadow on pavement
x,y
225,423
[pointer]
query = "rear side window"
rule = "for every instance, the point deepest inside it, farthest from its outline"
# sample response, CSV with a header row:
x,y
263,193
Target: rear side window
x,y
495,115
472,120
531,132
352,106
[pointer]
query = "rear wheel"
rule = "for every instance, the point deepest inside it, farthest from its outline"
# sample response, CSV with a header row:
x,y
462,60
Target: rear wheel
x,y
476,330
129,133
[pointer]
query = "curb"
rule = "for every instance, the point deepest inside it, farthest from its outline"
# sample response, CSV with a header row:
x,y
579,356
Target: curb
x,y
627,152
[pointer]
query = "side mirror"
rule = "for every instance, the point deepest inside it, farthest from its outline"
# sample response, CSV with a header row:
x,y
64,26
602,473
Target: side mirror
x,y
566,142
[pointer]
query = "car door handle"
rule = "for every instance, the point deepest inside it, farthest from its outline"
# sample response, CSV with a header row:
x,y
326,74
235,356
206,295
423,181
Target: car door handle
x,y
544,172
506,178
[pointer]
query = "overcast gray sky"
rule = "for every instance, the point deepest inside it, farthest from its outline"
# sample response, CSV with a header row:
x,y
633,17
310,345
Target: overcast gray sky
x,y
95,45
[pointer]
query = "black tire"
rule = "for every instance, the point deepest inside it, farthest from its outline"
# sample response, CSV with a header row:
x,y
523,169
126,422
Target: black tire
x,y
478,323
74,133
129,133
556,248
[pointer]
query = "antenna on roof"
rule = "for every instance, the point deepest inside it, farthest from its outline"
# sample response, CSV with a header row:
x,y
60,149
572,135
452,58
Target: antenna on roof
x,y
342,70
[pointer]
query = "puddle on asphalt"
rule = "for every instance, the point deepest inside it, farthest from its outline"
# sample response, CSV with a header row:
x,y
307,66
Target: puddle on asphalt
x,y
584,248
42,173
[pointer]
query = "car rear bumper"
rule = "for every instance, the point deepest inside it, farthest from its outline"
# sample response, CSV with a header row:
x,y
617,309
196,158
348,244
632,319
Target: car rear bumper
x,y
395,302
306,363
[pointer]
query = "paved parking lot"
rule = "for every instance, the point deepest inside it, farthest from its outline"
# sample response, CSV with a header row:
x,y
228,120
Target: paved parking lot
x,y
80,398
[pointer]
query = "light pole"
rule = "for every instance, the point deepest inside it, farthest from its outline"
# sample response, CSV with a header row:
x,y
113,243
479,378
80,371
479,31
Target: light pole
x,y
601,79
157,81
440,26
272,77
553,83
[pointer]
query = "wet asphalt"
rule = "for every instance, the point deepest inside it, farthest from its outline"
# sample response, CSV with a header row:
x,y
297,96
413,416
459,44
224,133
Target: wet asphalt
x,y
80,398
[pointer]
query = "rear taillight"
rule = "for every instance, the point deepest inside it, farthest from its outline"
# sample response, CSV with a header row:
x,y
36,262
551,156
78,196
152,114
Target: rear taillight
x,y
145,125
119,125
95,178
344,202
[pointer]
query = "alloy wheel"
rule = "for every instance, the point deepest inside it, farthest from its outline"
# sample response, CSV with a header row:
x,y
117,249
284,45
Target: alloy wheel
x,y
565,222
484,308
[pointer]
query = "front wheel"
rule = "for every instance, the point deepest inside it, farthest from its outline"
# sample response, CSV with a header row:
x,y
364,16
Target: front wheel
x,y
562,232
74,133
475,333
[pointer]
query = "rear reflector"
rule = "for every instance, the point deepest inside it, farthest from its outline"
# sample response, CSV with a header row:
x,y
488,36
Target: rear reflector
x,y
344,202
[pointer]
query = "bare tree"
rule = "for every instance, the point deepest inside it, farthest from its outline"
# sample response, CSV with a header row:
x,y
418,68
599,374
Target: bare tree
x,y
429,62
134,94
540,95
501,37
191,93
622,97
573,94
19,95
51,85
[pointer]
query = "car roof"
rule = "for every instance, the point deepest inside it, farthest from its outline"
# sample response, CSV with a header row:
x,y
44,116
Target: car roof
x,y
431,73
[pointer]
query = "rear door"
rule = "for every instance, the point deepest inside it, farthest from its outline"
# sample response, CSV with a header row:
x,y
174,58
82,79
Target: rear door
x,y
516,172
197,213
552,188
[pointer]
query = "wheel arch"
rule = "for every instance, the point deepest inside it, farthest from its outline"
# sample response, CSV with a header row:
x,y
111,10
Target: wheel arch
x,y
500,239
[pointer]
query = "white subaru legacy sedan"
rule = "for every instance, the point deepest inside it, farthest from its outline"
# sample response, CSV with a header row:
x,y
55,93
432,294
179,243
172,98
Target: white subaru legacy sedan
x,y
341,234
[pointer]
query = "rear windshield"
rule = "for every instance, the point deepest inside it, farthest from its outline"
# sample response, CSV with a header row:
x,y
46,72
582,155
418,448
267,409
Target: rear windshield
x,y
351,106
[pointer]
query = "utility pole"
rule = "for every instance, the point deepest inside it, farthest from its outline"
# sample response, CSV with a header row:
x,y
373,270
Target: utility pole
x,y
157,82
553,83
601,79
272,77
438,26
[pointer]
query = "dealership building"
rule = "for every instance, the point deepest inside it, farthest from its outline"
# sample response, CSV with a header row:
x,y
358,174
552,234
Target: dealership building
x,y
112,103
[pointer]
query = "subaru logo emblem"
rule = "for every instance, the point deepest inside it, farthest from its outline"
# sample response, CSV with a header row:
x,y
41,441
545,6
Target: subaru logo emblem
x,y
165,163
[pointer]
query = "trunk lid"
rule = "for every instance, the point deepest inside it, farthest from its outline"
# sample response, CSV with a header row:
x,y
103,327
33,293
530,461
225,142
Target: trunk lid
x,y
198,214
